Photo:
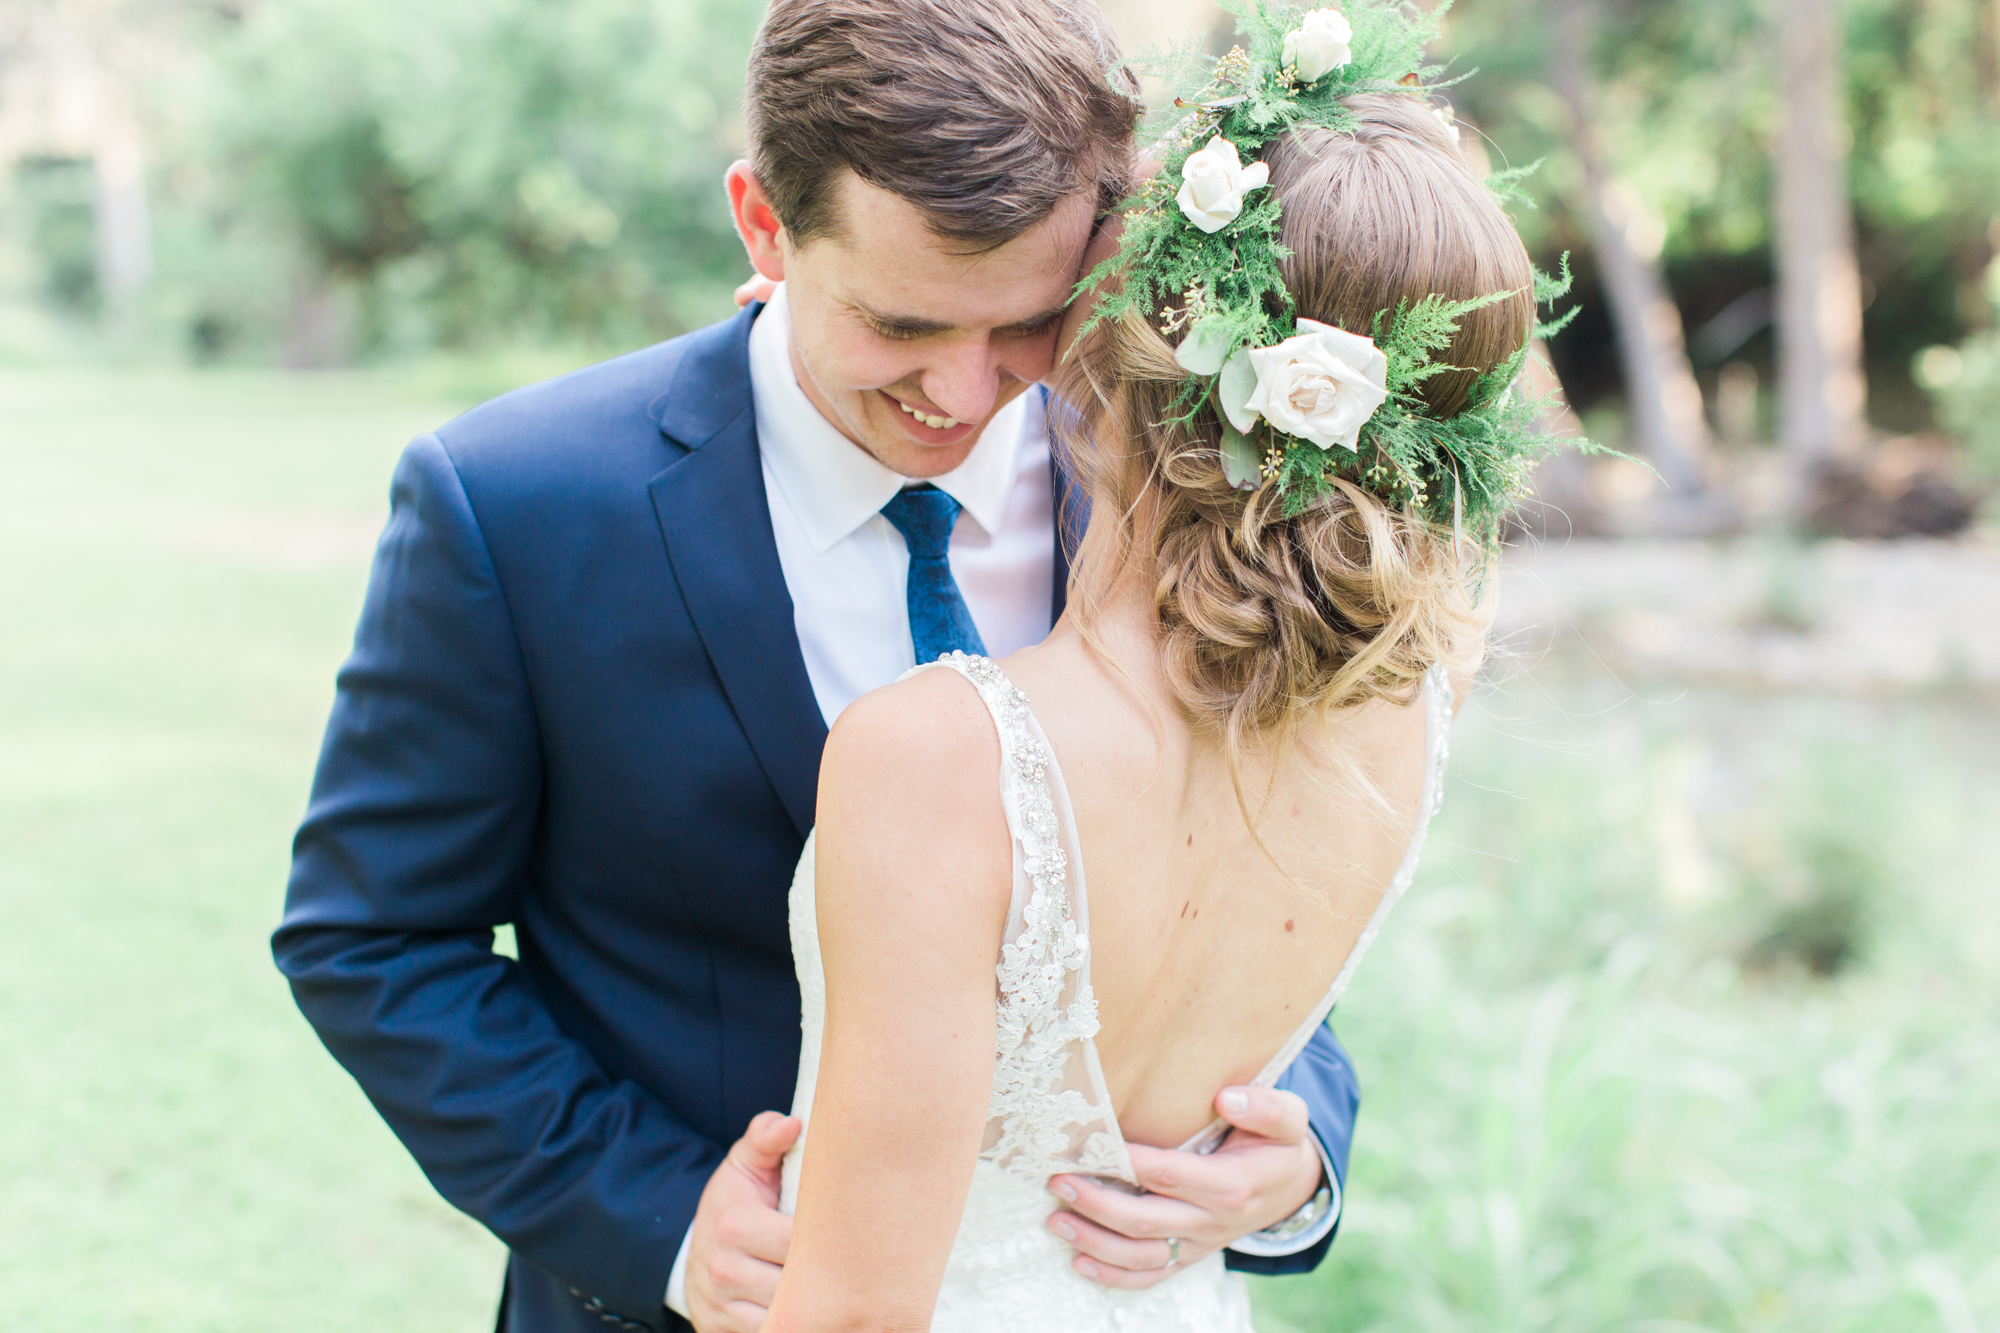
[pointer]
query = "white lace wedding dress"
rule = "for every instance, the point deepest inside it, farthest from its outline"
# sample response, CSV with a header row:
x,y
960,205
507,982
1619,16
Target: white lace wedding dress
x,y
1050,1112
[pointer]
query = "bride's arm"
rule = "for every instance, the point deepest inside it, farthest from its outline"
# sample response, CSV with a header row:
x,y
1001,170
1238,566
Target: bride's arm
x,y
914,869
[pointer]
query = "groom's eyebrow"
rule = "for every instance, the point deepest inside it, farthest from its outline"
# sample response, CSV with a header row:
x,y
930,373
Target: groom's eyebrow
x,y
918,324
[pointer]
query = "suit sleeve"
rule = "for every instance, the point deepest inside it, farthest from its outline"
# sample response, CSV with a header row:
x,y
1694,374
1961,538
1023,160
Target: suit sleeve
x,y
1324,1076
416,843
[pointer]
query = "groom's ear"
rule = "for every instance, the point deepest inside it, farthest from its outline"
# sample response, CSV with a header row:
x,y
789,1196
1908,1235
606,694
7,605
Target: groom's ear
x,y
756,221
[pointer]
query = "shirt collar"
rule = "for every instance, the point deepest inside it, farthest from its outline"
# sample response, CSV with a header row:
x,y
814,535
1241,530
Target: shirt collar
x,y
832,484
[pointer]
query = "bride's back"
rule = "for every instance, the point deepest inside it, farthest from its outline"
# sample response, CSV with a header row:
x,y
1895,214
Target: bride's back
x,y
1235,698
1207,949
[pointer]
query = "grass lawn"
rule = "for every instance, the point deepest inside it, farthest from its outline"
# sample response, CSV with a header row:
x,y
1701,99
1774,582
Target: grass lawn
x,y
1605,1087
181,562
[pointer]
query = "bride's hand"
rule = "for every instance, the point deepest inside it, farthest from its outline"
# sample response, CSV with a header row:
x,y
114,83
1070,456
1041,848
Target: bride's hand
x,y
756,287
1264,1172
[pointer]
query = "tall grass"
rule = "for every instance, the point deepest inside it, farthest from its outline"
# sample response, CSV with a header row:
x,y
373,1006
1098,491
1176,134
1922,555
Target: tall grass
x,y
1686,1026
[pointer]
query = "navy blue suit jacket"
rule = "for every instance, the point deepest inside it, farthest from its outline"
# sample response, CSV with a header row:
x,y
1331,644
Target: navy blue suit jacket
x,y
576,703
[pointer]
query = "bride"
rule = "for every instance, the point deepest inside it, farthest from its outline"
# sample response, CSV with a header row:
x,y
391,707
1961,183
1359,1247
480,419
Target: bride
x,y
1171,829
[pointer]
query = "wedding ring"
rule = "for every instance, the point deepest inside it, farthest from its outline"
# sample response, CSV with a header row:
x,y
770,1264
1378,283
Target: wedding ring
x,y
1173,1252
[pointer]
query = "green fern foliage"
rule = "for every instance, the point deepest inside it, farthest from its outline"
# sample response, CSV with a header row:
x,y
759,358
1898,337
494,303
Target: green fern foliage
x,y
1463,471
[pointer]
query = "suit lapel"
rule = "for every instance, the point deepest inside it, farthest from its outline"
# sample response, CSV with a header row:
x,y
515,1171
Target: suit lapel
x,y
716,521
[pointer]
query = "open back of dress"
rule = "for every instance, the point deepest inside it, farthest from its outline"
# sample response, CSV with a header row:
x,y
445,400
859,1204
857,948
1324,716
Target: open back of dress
x,y
1050,1111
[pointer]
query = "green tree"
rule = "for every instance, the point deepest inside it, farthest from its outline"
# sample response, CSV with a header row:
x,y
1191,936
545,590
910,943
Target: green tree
x,y
486,171
1686,112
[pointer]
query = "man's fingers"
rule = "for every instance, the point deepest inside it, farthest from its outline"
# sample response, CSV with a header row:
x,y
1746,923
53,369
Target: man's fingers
x,y
739,1241
740,1277
773,1132
1088,1238
734,1293
764,1144
761,1233
1122,1240
739,1317
1129,1279
1224,1182
1124,1279
1138,1216
1265,1112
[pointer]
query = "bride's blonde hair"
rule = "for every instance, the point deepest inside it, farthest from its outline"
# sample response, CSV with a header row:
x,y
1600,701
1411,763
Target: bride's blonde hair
x,y
1269,621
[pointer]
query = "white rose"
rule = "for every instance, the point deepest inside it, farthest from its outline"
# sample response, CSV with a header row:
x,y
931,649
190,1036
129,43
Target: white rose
x,y
1321,386
1319,45
1213,183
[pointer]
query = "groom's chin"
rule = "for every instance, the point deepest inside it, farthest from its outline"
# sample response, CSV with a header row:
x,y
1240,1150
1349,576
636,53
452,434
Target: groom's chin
x,y
925,462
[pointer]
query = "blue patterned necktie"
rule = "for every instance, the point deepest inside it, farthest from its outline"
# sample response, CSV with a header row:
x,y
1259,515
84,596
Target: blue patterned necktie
x,y
939,620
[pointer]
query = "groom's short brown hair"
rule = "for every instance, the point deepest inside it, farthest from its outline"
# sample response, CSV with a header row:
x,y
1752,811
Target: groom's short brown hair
x,y
985,114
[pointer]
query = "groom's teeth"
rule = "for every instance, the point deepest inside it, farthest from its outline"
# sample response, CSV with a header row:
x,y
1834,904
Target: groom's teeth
x,y
935,423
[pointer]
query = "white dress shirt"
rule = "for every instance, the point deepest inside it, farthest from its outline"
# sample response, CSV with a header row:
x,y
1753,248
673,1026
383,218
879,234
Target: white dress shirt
x,y
846,566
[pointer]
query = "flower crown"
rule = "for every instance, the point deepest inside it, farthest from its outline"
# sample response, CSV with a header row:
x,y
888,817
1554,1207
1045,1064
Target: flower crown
x,y
1303,403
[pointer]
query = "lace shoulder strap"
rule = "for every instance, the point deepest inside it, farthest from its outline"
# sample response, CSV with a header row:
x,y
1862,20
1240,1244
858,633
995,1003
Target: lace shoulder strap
x,y
1050,1111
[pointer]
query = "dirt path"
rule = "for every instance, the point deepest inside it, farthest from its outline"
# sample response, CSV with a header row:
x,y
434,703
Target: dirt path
x,y
1841,615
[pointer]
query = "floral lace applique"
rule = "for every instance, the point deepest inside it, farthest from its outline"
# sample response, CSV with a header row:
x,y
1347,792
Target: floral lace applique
x,y
1050,1111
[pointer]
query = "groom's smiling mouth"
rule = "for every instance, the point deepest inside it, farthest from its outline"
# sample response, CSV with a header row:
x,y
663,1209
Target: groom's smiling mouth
x,y
933,427
934,422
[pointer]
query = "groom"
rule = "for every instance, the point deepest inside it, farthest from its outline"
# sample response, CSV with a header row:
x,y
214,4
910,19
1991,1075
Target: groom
x,y
609,623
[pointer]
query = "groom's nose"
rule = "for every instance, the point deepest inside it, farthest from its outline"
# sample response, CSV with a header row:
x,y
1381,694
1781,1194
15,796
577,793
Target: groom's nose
x,y
964,377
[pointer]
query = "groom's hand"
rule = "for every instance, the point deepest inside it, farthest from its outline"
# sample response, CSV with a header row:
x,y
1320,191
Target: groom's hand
x,y
1264,1172
737,1245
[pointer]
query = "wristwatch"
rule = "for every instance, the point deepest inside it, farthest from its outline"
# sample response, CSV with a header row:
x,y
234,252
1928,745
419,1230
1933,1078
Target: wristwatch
x,y
1304,1220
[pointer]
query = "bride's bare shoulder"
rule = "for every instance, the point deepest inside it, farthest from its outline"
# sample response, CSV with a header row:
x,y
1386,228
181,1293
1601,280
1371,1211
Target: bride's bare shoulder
x,y
929,720
910,782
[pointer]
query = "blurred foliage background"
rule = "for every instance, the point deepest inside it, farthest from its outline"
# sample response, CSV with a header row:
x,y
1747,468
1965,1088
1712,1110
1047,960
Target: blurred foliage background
x,y
1689,1022
312,182
333,182
1688,111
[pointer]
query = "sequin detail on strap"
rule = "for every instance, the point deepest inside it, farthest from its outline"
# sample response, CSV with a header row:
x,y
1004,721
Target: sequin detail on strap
x,y
1050,1111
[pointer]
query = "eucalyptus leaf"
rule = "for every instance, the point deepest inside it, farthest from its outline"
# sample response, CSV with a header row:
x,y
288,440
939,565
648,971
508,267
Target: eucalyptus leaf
x,y
1235,388
1203,350
1241,463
